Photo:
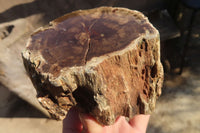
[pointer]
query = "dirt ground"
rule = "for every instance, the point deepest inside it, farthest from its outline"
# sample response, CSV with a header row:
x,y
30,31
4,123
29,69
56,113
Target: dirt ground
x,y
177,110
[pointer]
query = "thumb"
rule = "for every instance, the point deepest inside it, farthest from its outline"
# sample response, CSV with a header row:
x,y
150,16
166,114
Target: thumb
x,y
90,125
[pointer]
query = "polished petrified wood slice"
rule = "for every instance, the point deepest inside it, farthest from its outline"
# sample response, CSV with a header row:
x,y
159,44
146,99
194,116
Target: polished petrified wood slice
x,y
105,61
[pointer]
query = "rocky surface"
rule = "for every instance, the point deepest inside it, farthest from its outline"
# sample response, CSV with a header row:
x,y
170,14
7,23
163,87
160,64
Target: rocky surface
x,y
105,60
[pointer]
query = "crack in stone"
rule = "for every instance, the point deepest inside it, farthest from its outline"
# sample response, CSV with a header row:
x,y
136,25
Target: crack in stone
x,y
87,50
88,44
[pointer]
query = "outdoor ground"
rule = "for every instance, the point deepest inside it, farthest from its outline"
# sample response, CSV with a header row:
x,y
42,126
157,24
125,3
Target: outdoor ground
x,y
177,110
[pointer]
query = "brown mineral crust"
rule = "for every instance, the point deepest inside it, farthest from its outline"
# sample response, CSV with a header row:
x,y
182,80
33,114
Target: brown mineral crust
x,y
134,75
104,60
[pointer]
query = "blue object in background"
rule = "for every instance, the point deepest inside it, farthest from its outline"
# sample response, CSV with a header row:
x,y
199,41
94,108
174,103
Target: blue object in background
x,y
192,3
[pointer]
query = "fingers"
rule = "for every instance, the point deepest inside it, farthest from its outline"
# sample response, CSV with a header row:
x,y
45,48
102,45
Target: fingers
x,y
75,123
72,123
140,122
90,125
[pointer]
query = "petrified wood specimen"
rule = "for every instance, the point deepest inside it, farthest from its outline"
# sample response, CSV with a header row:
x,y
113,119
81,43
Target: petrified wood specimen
x,y
104,60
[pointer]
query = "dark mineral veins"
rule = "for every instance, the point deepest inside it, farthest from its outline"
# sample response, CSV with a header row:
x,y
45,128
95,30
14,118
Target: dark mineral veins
x,y
105,61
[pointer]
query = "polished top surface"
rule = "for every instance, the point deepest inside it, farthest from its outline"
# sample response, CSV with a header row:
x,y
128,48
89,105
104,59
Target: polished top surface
x,y
76,38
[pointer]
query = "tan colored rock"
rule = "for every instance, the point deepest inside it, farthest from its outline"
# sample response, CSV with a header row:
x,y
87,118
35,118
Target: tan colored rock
x,y
104,60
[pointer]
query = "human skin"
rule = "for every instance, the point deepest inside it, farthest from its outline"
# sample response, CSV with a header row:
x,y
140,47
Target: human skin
x,y
76,122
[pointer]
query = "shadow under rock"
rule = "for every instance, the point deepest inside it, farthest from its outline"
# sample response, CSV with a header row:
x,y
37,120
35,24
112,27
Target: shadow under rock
x,y
50,8
13,106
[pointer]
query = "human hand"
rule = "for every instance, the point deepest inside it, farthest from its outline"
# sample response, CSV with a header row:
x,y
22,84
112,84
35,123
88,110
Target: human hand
x,y
76,123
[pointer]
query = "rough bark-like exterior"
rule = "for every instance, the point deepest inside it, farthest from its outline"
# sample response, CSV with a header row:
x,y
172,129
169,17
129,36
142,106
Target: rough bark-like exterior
x,y
105,60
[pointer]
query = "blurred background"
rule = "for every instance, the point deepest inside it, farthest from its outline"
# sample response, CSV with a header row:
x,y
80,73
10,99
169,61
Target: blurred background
x,y
178,21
